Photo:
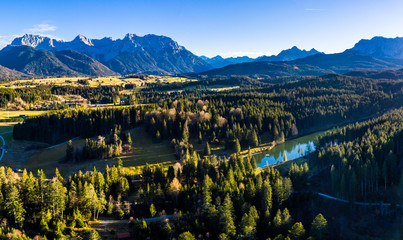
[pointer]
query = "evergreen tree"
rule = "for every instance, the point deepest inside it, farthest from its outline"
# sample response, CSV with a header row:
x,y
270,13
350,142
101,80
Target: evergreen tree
x,y
14,206
186,236
297,231
227,225
237,146
70,151
207,150
153,211
318,227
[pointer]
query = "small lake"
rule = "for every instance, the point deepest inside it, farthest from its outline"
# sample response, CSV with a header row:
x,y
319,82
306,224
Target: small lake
x,y
292,149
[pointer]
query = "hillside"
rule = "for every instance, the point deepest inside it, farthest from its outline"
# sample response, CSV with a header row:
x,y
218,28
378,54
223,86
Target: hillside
x,y
266,69
388,74
83,64
45,63
7,74
347,61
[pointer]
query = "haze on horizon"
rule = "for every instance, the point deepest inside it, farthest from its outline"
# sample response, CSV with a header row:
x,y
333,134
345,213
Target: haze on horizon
x,y
225,27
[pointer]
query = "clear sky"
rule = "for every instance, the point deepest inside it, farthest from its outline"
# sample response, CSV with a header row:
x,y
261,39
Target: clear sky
x,y
210,27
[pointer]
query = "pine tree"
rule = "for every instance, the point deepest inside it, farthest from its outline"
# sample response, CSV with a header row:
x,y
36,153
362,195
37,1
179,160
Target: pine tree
x,y
158,135
226,220
254,139
318,227
14,206
248,226
70,151
207,150
267,198
237,146
186,236
297,231
129,139
153,211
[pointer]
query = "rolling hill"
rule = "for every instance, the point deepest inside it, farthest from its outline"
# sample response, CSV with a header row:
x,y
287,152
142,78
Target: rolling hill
x,y
347,61
388,74
7,74
266,70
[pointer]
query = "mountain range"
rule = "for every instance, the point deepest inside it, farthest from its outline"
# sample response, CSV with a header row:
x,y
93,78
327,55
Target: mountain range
x,y
285,55
150,54
288,55
376,54
34,55
219,62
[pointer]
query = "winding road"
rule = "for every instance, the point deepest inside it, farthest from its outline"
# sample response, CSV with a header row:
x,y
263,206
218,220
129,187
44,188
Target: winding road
x,y
2,148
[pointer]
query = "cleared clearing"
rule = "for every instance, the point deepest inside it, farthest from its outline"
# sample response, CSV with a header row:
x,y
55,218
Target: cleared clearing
x,y
13,114
94,81
145,151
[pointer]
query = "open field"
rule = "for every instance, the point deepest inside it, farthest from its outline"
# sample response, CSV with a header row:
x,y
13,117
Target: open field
x,y
285,167
94,81
13,114
145,151
6,129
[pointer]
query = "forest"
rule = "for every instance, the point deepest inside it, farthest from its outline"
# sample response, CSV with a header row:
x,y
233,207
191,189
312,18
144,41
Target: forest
x,y
208,196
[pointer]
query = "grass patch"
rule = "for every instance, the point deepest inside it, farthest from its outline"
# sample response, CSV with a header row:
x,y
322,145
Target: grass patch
x,y
5,131
285,167
13,114
145,151
93,82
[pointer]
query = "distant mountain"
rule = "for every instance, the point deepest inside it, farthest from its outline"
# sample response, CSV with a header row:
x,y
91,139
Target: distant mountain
x,y
266,70
288,55
380,47
388,74
285,55
7,74
347,61
314,65
219,62
150,54
46,63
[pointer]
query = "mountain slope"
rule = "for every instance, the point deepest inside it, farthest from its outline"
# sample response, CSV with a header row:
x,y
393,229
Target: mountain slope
x,y
347,61
83,64
388,74
266,69
45,63
7,74
288,55
132,54
380,47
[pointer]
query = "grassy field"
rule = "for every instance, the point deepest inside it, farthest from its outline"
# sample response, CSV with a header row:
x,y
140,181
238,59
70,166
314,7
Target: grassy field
x,y
5,131
93,81
145,151
11,114
285,167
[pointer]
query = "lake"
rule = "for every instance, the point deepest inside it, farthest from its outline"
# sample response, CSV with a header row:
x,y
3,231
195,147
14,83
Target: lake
x,y
292,149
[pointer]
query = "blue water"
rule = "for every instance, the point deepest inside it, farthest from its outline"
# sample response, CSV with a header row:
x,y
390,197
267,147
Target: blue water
x,y
293,149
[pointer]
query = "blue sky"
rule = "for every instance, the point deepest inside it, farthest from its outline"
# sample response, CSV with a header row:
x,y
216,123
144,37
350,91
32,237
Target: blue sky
x,y
211,27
